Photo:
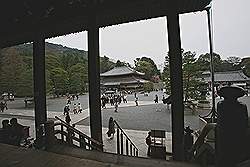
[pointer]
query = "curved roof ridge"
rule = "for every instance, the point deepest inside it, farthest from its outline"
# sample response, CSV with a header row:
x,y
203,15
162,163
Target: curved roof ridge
x,y
123,70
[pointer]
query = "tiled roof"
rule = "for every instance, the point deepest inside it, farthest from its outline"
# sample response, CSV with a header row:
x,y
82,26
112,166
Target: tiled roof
x,y
228,76
124,70
122,80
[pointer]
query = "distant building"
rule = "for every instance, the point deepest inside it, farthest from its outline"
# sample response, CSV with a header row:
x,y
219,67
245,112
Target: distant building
x,y
123,78
232,77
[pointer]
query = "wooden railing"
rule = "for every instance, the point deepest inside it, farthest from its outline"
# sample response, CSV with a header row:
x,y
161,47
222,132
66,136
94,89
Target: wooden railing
x,y
71,136
124,141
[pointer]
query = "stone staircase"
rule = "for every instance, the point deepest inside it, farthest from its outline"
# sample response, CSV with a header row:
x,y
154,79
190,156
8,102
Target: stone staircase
x,y
110,159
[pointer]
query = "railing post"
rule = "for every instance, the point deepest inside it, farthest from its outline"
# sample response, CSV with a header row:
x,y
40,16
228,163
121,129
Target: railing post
x,y
90,148
62,137
121,143
69,136
126,146
49,133
131,150
82,142
134,151
118,141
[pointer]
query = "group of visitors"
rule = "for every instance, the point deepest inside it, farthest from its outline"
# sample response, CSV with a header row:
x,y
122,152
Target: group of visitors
x,y
77,109
3,106
72,98
113,99
11,132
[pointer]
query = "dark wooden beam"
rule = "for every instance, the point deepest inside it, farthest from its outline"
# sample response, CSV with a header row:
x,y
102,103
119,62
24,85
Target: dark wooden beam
x,y
176,81
39,87
94,78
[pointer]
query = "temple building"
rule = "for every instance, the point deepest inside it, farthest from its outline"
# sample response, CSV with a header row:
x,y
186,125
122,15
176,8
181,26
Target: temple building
x,y
122,78
232,77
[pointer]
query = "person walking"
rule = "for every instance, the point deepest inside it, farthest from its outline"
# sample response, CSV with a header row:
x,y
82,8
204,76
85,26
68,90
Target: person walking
x,y
156,99
68,100
79,107
125,99
136,101
116,106
67,118
75,109
2,106
111,130
66,109
5,105
148,142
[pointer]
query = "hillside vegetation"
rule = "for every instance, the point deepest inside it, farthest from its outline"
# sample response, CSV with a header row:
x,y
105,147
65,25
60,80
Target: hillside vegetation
x,y
66,69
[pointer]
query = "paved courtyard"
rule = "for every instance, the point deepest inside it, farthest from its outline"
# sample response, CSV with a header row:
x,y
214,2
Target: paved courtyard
x,y
144,117
135,120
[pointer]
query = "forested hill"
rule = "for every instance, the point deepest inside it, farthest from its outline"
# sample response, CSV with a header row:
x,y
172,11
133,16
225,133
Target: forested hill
x,y
53,49
66,69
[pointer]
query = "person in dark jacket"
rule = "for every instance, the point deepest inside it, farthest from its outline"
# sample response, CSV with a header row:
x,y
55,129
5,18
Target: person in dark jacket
x,y
16,132
67,118
148,142
5,132
111,130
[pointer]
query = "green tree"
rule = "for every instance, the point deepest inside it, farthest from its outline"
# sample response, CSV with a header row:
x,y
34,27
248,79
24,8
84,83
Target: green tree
x,y
148,86
119,63
245,66
147,66
59,78
13,69
105,64
77,78
191,75
204,62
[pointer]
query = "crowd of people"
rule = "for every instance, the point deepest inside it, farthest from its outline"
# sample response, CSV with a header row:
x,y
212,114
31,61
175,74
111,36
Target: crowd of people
x,y
77,107
12,132
113,99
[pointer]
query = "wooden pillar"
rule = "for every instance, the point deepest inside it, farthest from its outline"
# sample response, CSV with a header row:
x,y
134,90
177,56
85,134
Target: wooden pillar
x,y
94,78
49,133
39,88
176,81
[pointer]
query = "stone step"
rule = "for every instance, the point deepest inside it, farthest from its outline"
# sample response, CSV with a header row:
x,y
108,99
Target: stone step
x,y
119,160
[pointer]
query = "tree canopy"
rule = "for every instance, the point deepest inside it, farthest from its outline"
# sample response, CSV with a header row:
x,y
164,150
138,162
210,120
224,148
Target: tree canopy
x,y
66,69
147,66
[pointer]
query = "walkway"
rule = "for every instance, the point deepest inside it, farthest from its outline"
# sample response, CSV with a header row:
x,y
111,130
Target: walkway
x,y
136,122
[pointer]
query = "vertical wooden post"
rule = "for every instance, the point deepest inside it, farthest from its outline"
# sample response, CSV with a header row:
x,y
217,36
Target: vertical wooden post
x,y
121,143
127,147
176,81
94,76
118,141
49,133
39,87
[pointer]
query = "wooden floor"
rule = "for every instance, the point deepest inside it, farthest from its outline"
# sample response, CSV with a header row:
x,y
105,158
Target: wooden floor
x,y
11,156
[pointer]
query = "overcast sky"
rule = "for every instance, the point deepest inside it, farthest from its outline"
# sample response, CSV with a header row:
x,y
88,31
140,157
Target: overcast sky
x,y
231,21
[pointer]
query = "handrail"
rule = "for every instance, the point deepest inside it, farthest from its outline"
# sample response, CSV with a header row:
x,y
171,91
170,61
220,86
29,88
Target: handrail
x,y
76,130
95,143
124,133
120,146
